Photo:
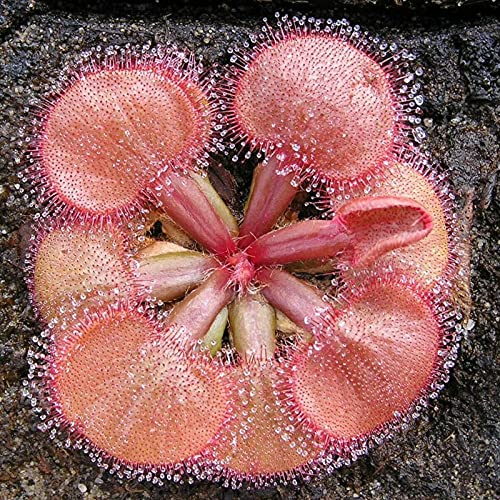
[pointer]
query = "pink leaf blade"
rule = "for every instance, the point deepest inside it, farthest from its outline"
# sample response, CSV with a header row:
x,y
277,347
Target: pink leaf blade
x,y
380,356
380,224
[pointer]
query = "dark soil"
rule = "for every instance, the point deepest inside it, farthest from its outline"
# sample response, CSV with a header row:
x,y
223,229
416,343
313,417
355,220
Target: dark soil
x,y
453,451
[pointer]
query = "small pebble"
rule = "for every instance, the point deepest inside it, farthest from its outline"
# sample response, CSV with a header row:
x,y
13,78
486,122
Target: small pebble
x,y
82,488
470,325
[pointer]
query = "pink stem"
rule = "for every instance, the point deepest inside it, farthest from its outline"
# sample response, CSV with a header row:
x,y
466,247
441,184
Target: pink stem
x,y
198,310
302,303
305,240
184,202
269,198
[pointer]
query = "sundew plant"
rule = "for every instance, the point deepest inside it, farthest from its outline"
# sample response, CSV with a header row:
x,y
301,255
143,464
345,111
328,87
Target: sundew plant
x,y
183,341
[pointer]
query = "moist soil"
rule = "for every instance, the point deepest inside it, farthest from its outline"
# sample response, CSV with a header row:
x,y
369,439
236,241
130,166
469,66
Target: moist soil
x,y
452,451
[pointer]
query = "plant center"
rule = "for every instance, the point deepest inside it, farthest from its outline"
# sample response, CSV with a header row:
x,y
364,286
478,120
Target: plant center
x,y
242,269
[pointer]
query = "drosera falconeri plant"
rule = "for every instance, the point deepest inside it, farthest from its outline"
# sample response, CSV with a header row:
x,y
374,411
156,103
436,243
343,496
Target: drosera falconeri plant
x,y
219,350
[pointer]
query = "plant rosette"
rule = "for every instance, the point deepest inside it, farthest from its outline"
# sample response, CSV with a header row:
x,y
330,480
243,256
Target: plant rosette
x,y
206,348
